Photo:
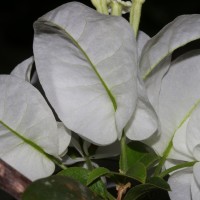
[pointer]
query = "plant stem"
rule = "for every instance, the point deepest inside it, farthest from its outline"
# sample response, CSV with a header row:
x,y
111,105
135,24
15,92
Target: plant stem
x,y
135,15
101,6
57,161
116,8
163,159
180,166
123,156
88,163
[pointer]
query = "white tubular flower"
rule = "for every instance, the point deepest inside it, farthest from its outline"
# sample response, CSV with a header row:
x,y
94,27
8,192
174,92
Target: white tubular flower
x,y
118,7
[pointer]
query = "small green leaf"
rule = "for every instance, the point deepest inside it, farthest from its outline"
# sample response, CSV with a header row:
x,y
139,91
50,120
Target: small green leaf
x,y
98,187
149,159
137,152
159,183
58,188
137,172
81,174
138,191
96,173
77,173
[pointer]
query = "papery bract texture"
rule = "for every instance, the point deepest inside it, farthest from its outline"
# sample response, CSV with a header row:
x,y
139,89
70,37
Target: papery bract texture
x,y
179,32
23,70
144,121
64,138
179,98
154,65
180,183
142,39
26,71
87,65
28,129
155,58
173,90
185,183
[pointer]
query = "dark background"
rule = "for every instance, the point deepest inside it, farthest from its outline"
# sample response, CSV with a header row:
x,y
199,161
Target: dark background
x,y
17,17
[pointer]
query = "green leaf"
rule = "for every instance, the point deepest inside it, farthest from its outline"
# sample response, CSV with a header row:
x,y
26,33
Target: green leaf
x,y
137,172
139,191
81,174
138,152
99,188
149,159
58,188
77,173
87,66
159,183
96,173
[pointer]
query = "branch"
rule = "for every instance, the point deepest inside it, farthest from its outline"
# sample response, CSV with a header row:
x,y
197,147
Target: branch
x,y
11,181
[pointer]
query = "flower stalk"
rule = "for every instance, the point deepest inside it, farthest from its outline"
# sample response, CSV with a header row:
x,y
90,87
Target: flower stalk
x,y
101,6
123,156
135,14
116,8
180,166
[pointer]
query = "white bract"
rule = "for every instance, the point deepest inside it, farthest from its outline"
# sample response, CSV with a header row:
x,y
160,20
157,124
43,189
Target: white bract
x,y
174,91
28,130
144,122
23,71
101,82
87,66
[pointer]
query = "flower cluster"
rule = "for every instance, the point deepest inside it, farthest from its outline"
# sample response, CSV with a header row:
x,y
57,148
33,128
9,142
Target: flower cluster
x,y
101,82
113,7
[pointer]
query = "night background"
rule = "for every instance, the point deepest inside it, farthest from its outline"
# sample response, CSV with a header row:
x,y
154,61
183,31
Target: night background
x,y
17,17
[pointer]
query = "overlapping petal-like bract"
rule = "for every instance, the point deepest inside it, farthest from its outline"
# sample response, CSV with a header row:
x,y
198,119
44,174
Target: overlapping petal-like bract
x,y
87,65
28,129
155,58
171,84
23,71
178,100
179,112
144,121
174,91
185,184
